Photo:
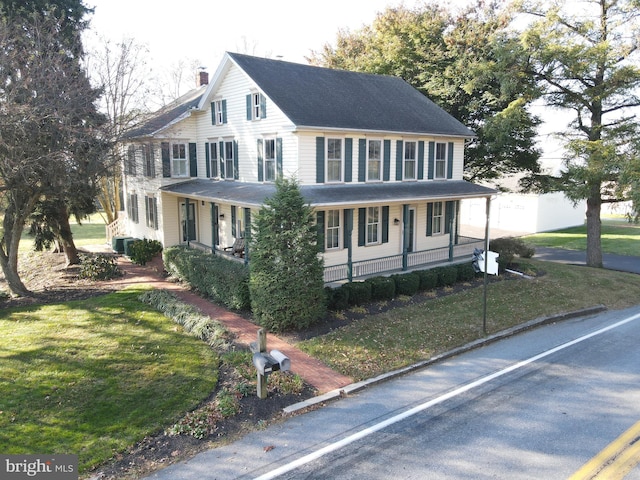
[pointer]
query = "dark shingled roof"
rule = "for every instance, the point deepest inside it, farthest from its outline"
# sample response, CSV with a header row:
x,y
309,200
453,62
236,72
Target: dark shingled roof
x,y
322,97
167,114
254,194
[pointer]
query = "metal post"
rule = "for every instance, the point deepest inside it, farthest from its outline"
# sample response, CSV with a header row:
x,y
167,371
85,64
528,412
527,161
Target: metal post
x,y
486,256
262,379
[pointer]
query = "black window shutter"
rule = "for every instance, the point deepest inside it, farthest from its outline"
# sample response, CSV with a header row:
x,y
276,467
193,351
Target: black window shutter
x,y
420,160
386,165
166,159
320,226
249,107
236,173
450,161
348,227
448,216
233,222
224,111
385,224
429,219
155,213
279,168
319,159
362,226
432,153
362,160
399,159
207,159
193,160
260,162
213,113
348,159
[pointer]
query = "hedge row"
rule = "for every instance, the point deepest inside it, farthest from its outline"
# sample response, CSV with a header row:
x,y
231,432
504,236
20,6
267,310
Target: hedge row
x,y
386,288
223,281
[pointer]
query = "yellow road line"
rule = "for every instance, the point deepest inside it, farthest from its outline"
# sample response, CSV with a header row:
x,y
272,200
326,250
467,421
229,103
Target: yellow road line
x,y
616,460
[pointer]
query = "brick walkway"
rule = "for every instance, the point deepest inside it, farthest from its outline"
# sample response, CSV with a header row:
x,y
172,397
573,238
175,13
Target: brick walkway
x,y
313,371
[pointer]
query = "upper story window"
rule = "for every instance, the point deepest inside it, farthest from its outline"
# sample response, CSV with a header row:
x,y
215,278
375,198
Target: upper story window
x,y
219,112
374,160
149,166
269,159
227,159
409,167
130,163
179,159
335,159
373,225
441,160
256,106
332,233
213,160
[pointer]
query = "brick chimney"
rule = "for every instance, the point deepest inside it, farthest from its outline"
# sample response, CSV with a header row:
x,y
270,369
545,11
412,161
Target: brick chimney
x,y
202,78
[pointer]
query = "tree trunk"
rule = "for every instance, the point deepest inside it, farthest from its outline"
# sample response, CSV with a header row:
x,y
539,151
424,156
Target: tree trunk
x,y
9,255
594,244
66,237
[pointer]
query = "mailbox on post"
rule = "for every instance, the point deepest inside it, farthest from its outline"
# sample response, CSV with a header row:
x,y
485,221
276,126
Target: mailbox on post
x,y
267,363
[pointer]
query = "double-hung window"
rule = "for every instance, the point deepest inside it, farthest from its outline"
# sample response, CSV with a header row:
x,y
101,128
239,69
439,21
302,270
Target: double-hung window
x,y
374,160
179,159
227,159
132,207
334,159
373,225
213,159
437,221
270,160
332,234
219,112
409,161
441,160
149,164
151,207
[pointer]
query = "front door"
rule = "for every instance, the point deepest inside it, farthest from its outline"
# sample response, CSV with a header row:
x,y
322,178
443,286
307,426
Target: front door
x,y
188,221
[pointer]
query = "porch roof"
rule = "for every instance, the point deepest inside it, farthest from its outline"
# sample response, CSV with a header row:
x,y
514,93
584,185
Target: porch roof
x,y
254,194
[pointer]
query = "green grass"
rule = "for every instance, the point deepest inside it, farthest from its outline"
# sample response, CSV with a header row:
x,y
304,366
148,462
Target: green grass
x,y
403,336
95,376
617,237
90,232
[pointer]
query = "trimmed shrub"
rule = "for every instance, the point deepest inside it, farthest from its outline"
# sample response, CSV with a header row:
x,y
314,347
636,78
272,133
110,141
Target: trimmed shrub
x,y
99,267
407,283
465,272
447,276
337,298
510,247
382,288
142,251
224,281
428,279
359,292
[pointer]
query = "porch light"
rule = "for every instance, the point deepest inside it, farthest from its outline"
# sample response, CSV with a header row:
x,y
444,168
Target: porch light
x,y
221,216
396,221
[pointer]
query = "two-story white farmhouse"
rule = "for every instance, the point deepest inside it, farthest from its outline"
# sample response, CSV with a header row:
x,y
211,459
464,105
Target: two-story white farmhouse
x,y
378,161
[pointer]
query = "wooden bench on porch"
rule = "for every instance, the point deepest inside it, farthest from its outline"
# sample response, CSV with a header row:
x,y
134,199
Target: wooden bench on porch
x,y
237,249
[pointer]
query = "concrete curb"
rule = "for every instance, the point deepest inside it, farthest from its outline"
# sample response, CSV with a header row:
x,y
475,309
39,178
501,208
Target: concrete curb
x,y
354,387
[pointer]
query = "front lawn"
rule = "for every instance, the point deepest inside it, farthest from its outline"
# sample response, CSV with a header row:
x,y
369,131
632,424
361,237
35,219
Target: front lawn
x,y
400,337
621,238
93,377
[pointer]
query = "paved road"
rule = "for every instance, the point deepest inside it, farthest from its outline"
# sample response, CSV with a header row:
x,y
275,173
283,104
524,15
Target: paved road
x,y
536,405
623,263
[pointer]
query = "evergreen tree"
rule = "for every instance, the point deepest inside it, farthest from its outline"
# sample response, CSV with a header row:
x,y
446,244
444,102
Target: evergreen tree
x,y
286,272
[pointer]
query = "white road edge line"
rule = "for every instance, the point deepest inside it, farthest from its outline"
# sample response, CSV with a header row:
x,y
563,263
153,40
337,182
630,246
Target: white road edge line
x,y
481,381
